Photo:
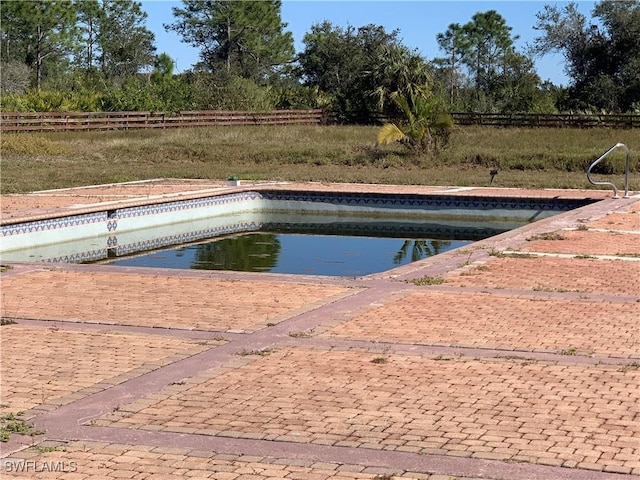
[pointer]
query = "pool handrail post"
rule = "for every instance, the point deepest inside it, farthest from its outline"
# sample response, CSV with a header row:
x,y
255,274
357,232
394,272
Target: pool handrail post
x,y
626,171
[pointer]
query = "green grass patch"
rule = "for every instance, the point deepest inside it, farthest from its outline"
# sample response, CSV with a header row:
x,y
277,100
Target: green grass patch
x,y
33,144
14,423
546,236
263,352
45,448
427,280
525,158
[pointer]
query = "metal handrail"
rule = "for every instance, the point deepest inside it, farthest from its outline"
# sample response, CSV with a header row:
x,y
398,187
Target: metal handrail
x,y
626,171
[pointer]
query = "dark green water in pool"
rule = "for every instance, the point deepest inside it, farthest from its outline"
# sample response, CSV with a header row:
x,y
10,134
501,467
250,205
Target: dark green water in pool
x,y
312,254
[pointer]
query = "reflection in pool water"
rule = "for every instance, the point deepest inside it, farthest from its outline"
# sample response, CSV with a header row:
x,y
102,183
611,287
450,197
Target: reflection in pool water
x,y
296,253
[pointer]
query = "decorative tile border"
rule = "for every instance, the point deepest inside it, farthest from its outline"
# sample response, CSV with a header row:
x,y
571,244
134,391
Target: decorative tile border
x,y
182,205
81,257
429,202
52,224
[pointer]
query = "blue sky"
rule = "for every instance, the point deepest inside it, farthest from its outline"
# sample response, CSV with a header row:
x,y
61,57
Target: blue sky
x,y
419,21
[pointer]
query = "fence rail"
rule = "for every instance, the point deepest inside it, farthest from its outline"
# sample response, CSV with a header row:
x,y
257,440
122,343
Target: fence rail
x,y
68,121
64,121
547,120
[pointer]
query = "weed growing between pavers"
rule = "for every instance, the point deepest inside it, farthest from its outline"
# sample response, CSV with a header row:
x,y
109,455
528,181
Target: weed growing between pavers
x,y
541,288
301,334
546,236
515,254
630,368
14,423
45,448
263,352
575,351
379,360
427,280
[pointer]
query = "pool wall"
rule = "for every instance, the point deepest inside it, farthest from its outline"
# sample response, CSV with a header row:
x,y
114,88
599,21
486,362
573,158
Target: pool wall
x,y
119,231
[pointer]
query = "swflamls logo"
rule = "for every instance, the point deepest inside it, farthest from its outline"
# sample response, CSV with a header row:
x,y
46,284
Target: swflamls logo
x,y
19,465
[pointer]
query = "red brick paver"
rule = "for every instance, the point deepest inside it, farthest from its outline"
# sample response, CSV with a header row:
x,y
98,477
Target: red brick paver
x,y
48,366
89,460
503,322
158,300
586,243
489,409
618,221
582,275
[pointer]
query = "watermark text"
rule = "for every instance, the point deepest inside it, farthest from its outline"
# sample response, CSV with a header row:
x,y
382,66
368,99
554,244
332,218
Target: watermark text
x,y
19,465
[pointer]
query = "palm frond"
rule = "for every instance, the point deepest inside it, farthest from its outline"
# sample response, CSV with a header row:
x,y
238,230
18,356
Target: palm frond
x,y
389,133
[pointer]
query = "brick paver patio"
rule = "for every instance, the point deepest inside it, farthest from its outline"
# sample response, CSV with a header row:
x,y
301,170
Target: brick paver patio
x,y
581,275
42,366
500,321
169,301
501,410
519,362
88,460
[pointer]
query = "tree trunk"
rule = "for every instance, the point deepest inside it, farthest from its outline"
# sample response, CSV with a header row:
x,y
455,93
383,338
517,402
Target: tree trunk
x,y
229,44
39,58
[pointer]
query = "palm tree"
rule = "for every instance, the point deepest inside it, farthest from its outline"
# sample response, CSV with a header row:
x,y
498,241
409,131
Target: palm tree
x,y
426,125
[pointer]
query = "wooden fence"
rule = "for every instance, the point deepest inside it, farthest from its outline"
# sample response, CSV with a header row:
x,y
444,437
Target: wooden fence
x,y
67,121
547,120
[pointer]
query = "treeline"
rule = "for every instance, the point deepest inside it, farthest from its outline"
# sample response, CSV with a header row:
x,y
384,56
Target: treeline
x,y
98,55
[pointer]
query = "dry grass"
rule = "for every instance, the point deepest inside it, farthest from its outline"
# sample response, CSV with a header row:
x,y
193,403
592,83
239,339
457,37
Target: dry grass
x,y
552,158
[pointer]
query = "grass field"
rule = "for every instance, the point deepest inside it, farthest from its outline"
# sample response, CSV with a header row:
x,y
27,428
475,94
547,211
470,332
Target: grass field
x,y
536,158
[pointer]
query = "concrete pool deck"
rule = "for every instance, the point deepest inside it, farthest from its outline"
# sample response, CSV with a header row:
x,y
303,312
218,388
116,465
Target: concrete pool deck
x,y
514,358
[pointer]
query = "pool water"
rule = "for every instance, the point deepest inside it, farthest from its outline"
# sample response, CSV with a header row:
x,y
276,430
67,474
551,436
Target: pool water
x,y
311,254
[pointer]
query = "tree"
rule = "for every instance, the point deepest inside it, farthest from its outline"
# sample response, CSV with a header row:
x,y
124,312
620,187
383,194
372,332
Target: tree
x,y
502,78
454,44
90,20
602,57
126,45
162,68
621,21
244,38
397,71
488,42
517,87
37,32
359,69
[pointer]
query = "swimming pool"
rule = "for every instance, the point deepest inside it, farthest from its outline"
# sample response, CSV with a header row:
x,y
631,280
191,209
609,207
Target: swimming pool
x,y
109,234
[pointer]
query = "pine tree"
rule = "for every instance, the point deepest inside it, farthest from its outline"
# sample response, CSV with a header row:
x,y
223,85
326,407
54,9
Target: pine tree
x,y
242,38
